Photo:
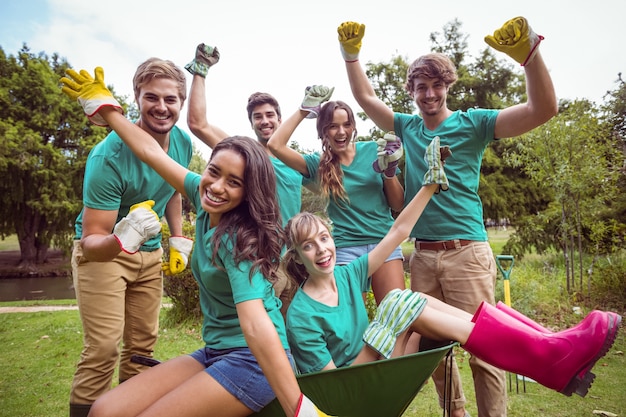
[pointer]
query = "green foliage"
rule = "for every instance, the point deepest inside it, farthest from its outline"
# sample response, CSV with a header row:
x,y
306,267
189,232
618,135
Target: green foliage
x,y
182,289
608,283
44,142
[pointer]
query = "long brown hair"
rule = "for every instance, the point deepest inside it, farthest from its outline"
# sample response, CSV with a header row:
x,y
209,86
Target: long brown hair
x,y
330,175
256,223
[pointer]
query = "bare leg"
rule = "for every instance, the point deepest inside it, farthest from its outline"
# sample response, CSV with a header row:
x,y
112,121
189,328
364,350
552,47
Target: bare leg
x,y
176,387
439,325
388,277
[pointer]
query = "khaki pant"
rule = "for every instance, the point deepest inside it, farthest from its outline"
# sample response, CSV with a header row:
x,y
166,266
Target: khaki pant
x,y
119,301
463,277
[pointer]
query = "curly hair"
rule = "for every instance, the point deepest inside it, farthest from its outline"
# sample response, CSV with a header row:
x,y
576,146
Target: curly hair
x,y
434,65
256,223
330,173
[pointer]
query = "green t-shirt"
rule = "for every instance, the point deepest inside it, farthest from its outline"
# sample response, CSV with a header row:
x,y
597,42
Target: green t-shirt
x,y
222,288
458,212
318,333
115,179
289,184
366,218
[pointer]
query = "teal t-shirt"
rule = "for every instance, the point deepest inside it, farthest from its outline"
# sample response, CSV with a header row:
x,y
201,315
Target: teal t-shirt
x,y
221,288
289,184
458,212
318,332
115,179
366,218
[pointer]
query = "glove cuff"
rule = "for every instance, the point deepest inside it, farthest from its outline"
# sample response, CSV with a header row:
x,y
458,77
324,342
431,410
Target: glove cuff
x,y
129,239
182,244
349,57
313,112
380,338
533,51
197,68
92,109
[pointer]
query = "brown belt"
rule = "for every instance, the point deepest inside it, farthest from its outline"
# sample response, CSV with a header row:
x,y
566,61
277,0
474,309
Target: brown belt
x,y
441,245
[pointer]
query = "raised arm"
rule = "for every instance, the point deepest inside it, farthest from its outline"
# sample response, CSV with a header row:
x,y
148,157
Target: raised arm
x,y
350,37
517,39
314,96
90,93
435,179
206,56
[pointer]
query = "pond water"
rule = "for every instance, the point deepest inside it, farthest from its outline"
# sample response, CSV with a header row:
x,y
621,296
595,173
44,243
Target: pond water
x,y
40,288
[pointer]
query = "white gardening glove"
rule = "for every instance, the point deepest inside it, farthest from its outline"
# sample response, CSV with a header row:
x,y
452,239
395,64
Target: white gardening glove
x,y
140,224
314,96
180,248
394,315
306,408
389,152
90,92
350,37
516,39
206,57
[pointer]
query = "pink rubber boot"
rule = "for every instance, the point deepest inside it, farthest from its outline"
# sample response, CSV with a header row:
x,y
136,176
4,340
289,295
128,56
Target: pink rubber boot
x,y
561,361
520,317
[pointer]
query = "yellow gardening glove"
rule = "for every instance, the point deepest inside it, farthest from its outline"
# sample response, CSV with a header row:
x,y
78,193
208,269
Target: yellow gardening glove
x,y
91,93
140,224
180,248
306,408
516,39
350,37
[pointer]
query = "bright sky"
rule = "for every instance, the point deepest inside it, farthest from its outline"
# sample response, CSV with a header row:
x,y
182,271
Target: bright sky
x,y
281,46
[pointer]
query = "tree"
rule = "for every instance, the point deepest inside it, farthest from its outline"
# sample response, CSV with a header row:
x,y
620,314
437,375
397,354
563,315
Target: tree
x,y
569,155
44,142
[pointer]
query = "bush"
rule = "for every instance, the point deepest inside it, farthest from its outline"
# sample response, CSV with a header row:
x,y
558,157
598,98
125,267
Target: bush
x,y
182,289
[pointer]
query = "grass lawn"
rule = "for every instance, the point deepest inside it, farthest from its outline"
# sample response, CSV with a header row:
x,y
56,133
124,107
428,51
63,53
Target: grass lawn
x,y
40,350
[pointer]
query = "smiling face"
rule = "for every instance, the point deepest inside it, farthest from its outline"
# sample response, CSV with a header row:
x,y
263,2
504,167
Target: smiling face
x,y
222,184
265,120
316,252
430,95
159,105
340,131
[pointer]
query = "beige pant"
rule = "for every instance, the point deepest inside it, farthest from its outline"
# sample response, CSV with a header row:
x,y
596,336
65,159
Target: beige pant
x,y
463,278
119,301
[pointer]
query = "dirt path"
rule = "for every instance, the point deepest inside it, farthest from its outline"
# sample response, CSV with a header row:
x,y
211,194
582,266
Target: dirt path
x,y
35,309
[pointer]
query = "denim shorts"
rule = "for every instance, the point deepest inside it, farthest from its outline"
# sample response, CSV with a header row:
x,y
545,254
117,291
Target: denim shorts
x,y
238,371
348,254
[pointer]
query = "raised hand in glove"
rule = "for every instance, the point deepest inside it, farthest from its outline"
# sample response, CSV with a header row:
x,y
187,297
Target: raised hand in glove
x,y
394,315
389,153
180,248
516,39
140,224
435,156
306,408
350,37
314,96
206,57
91,93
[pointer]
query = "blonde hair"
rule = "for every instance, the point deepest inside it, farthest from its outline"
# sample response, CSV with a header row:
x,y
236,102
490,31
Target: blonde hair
x,y
159,68
300,227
